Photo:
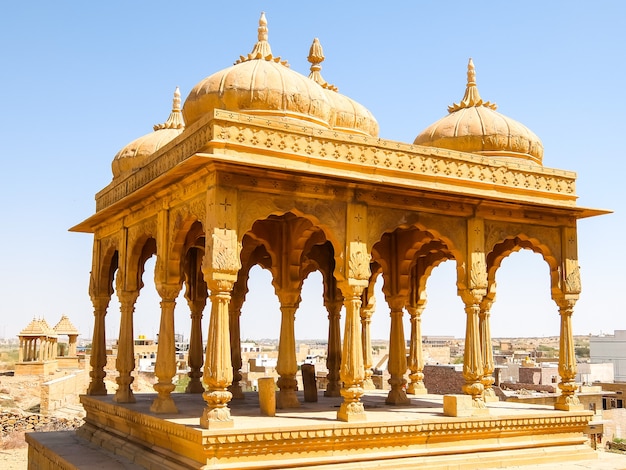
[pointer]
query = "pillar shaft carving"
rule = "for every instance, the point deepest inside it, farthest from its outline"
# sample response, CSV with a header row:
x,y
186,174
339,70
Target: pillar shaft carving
x,y
366,337
98,347
473,368
234,317
416,356
218,368
397,353
287,366
567,401
352,370
333,360
487,351
165,367
125,362
219,266
196,359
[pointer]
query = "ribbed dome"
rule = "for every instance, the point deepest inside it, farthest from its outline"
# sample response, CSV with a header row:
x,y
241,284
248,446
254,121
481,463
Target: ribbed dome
x,y
347,114
474,126
262,84
135,155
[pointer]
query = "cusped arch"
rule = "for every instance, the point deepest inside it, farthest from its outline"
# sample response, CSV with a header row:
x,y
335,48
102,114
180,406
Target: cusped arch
x,y
188,232
144,247
415,242
513,244
103,273
308,229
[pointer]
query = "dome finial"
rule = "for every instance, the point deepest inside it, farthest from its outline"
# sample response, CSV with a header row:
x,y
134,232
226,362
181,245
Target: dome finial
x,y
472,96
316,57
262,49
175,120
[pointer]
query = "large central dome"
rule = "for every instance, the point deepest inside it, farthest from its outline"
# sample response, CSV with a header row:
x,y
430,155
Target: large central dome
x,y
262,84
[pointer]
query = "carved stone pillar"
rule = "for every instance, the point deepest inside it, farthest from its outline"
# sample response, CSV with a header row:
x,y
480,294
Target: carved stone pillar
x,y
333,361
98,347
287,366
125,362
234,317
165,367
397,354
472,360
72,345
416,357
196,359
567,401
366,337
352,371
218,368
487,351
20,353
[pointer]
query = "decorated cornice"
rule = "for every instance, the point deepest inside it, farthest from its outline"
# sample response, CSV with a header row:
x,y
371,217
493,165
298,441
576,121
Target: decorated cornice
x,y
271,142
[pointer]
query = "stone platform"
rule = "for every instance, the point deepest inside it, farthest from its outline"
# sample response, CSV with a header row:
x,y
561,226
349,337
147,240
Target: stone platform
x,y
418,434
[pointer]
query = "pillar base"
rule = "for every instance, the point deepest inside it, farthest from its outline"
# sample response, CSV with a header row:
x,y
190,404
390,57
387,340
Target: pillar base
x,y
163,405
490,396
462,406
287,399
237,392
124,396
194,387
417,389
568,403
397,397
351,412
368,384
216,418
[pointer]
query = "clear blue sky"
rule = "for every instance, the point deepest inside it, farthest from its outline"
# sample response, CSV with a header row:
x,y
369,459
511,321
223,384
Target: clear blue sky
x,y
80,80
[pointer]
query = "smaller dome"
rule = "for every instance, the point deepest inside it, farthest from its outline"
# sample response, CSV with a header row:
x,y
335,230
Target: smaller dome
x,y
474,126
347,115
135,155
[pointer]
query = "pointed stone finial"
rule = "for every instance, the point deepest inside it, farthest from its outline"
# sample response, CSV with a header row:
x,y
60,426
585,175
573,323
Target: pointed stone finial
x,y
315,58
175,120
262,49
472,97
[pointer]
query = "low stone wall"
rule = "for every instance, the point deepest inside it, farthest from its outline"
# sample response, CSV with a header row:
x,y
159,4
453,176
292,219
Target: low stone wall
x,y
63,391
17,421
528,386
443,379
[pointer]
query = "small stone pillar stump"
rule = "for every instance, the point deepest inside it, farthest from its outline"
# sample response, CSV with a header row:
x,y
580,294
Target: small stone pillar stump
x,y
267,396
309,382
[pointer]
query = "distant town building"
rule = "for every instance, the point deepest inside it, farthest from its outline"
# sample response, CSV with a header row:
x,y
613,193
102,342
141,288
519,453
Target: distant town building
x,y
610,348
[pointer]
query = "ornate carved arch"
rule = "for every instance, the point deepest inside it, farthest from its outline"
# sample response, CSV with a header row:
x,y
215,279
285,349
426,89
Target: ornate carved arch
x,y
512,244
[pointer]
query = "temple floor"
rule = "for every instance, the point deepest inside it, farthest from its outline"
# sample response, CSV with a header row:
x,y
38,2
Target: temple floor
x,y
417,434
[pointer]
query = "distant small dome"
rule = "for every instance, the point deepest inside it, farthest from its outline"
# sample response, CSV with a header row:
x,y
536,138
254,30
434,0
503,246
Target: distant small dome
x,y
262,84
135,155
474,126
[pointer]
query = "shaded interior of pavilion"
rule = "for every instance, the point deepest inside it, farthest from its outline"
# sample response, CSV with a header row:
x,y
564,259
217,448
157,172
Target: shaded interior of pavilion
x,y
292,251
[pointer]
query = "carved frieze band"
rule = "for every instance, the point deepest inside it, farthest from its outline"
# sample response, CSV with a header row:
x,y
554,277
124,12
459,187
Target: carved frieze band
x,y
307,142
372,435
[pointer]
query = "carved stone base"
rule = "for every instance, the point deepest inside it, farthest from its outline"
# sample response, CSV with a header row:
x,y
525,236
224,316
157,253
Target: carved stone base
x,y
164,403
287,398
351,412
194,386
417,388
397,397
216,418
368,384
124,396
568,403
490,396
237,391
